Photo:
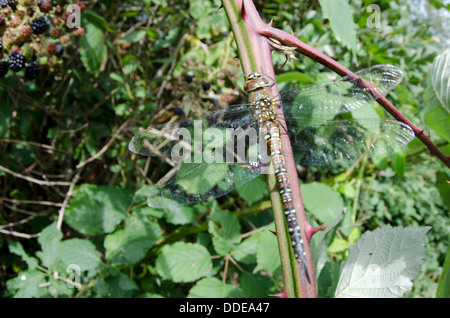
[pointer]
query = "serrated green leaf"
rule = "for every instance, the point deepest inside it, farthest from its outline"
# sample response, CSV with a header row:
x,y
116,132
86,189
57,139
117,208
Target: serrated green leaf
x,y
399,163
79,252
26,284
382,263
444,281
338,245
130,245
255,286
212,287
321,249
339,12
246,251
253,191
313,195
115,285
93,50
204,181
97,209
183,262
225,230
134,37
49,239
267,253
17,248
437,97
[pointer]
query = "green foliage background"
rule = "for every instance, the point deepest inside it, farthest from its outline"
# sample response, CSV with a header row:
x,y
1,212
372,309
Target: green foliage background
x,y
130,71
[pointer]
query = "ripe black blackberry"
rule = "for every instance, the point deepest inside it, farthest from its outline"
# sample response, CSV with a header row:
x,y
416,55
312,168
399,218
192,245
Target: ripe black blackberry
x,y
5,3
3,69
33,70
39,25
16,61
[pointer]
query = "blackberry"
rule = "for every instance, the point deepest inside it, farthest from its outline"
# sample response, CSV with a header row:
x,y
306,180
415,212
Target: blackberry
x,y
10,3
3,69
39,25
33,70
59,50
16,61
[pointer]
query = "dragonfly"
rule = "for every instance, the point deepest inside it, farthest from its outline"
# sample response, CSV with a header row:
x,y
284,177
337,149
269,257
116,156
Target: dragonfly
x,y
229,147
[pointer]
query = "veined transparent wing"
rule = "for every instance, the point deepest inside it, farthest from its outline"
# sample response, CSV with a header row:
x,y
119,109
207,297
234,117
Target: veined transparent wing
x,y
335,142
318,140
341,95
195,182
216,153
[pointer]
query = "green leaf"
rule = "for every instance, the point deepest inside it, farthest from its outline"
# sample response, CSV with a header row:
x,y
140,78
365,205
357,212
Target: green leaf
x,y
26,284
225,230
97,209
206,180
130,245
383,263
212,287
255,286
443,187
313,195
444,282
95,19
79,252
320,251
253,191
115,285
267,252
399,163
5,118
338,245
437,96
16,248
134,37
183,262
93,50
339,12
49,239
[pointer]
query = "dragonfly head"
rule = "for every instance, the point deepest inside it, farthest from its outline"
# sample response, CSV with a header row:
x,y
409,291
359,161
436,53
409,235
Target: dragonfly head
x,y
256,80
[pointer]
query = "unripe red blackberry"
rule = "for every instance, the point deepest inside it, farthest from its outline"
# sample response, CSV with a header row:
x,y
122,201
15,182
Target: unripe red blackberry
x,y
52,48
25,33
15,22
45,5
16,61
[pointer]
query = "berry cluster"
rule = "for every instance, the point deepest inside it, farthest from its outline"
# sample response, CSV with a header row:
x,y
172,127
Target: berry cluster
x,y
34,34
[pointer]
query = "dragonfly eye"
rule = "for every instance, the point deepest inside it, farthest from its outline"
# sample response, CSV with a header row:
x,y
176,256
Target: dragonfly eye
x,y
254,81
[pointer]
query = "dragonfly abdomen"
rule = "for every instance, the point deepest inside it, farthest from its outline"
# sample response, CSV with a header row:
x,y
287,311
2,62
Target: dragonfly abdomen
x,y
271,133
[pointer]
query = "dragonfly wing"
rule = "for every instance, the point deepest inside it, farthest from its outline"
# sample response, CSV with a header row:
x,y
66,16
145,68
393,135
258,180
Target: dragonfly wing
x,y
191,183
168,140
334,142
342,95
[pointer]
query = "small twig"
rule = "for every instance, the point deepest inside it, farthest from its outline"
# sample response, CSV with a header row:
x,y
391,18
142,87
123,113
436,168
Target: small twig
x,y
33,180
66,200
31,202
18,234
105,148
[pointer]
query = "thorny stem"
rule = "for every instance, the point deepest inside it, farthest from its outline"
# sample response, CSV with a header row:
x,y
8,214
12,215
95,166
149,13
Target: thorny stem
x,y
256,55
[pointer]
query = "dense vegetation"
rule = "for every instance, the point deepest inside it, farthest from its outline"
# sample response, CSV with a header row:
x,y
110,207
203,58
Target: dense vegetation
x,y
141,63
